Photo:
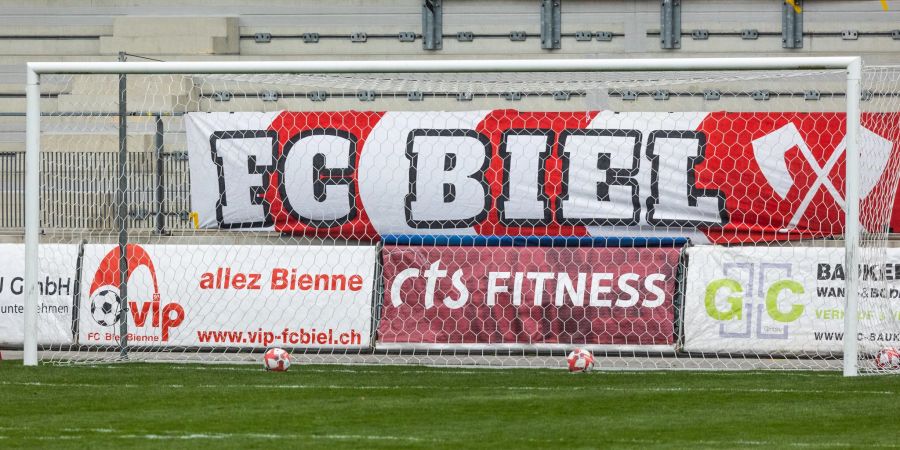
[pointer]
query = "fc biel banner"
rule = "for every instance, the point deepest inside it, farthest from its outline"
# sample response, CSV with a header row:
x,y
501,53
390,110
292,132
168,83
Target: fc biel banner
x,y
718,177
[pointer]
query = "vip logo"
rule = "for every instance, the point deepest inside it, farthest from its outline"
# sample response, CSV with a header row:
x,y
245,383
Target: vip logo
x,y
108,308
770,151
768,287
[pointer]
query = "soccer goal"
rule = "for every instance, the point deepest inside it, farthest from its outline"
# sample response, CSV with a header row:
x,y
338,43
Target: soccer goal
x,y
672,213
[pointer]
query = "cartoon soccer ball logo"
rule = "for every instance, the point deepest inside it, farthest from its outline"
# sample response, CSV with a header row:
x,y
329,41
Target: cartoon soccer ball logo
x,y
106,308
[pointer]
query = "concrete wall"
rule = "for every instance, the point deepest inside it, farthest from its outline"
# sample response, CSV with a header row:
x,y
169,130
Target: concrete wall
x,y
89,30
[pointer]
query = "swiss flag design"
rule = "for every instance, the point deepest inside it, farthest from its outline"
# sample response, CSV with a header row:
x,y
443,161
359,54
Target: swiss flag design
x,y
751,155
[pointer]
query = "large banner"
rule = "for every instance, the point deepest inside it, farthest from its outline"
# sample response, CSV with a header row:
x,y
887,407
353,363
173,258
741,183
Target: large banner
x,y
719,177
230,296
535,297
786,300
56,284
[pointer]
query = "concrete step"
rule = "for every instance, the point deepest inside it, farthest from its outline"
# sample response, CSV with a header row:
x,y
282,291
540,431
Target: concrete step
x,y
137,85
94,142
17,104
149,35
87,30
110,103
184,45
49,47
143,26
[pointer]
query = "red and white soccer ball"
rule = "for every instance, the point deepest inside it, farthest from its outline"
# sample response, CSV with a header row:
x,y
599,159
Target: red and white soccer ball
x,y
580,360
888,359
277,360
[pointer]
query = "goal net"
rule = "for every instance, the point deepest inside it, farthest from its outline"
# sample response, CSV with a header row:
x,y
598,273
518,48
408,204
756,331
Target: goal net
x,y
668,219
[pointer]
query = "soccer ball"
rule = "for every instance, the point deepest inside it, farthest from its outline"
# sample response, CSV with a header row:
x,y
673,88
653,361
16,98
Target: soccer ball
x,y
276,360
580,360
105,307
888,359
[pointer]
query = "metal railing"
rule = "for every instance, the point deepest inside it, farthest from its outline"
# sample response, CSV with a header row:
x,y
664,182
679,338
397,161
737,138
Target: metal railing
x,y
78,190
12,190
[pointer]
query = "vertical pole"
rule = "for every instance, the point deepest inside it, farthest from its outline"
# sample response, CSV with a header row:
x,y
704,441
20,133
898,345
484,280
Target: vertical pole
x,y
432,25
851,229
551,24
160,193
670,24
32,217
792,24
122,215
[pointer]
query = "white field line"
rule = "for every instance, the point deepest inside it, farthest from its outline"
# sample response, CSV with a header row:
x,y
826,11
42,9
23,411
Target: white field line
x,y
89,430
197,436
360,437
445,388
748,443
266,436
336,370
66,430
453,370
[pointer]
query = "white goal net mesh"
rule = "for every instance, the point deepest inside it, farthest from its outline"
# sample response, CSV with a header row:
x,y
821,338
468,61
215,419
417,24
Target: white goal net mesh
x,y
683,220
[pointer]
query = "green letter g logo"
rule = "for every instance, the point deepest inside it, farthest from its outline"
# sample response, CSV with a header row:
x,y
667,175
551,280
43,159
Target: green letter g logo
x,y
734,312
772,301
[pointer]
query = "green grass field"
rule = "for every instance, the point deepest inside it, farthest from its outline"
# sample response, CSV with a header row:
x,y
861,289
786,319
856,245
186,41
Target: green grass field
x,y
200,406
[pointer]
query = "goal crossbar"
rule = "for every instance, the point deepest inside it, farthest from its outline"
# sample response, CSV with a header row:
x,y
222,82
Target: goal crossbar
x,y
410,66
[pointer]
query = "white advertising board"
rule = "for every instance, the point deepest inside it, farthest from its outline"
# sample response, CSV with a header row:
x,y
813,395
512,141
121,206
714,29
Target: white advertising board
x,y
56,281
785,300
230,296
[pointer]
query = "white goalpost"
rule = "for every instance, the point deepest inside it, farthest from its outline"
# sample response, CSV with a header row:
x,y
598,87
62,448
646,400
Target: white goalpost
x,y
498,212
